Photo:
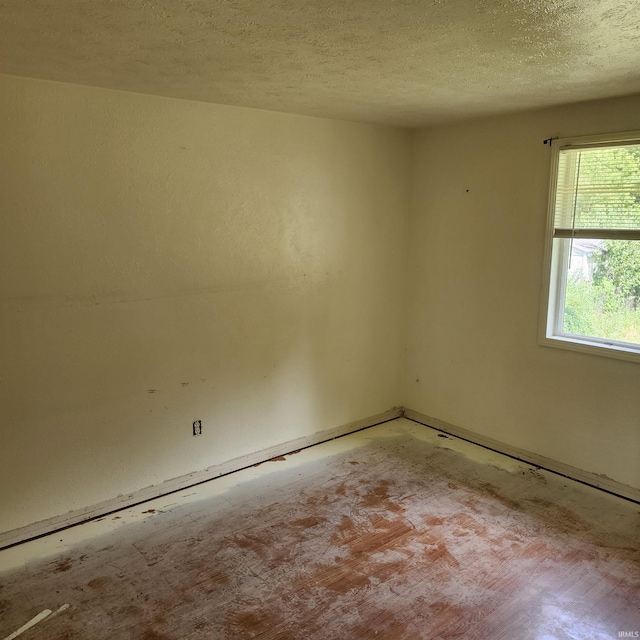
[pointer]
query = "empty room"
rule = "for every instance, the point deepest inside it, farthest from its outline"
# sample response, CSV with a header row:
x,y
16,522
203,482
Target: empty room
x,y
320,320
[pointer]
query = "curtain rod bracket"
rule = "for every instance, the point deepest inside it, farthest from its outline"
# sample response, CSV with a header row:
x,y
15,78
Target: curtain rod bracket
x,y
549,140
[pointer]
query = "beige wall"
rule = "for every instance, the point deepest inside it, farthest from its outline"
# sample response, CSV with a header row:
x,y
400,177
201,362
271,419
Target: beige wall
x,y
477,227
163,261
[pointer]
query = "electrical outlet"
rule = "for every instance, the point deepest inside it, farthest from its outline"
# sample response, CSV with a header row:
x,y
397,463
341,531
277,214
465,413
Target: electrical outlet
x,y
197,428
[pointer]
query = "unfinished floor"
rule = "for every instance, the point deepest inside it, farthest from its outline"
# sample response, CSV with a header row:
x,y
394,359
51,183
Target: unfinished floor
x,y
397,531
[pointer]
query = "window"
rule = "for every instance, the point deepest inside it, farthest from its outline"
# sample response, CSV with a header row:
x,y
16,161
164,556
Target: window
x,y
591,300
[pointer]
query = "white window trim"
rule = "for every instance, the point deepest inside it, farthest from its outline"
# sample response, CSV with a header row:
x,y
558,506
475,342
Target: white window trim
x,y
548,334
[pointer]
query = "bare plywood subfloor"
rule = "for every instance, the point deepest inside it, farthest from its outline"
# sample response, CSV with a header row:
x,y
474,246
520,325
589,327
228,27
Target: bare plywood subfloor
x,y
395,532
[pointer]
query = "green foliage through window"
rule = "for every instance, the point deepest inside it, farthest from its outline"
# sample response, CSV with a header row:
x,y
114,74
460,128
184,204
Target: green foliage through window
x,y
618,262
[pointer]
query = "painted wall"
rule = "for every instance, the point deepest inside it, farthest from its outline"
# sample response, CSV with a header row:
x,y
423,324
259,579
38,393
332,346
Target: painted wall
x,y
163,261
477,229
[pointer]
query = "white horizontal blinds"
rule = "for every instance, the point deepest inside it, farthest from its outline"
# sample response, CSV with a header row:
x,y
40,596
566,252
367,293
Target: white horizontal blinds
x,y
598,192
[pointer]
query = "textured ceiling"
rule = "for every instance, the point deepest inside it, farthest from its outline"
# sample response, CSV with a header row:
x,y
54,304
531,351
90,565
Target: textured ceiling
x,y
404,62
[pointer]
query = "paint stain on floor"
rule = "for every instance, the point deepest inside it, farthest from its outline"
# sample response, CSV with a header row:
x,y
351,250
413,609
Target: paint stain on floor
x,y
401,540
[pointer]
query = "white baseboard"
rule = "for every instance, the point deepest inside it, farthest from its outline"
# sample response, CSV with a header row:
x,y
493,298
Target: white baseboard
x,y
592,479
45,527
57,523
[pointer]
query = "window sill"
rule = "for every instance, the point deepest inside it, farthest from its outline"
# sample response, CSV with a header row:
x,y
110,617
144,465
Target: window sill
x,y
593,347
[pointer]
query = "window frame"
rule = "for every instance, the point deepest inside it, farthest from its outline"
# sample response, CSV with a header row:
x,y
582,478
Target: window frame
x,y
554,276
